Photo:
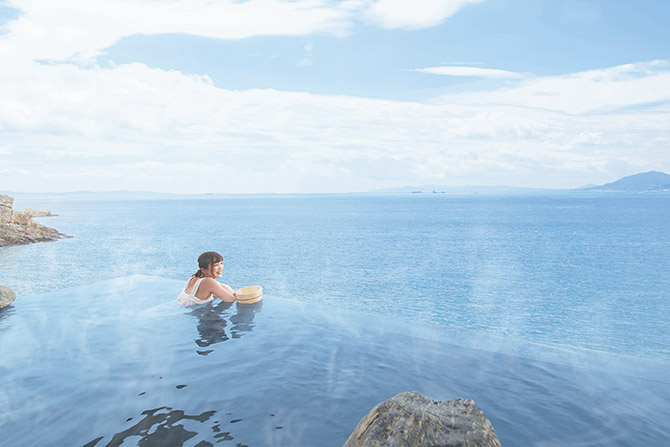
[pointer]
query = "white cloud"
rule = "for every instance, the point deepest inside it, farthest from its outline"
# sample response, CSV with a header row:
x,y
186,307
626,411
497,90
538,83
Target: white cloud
x,y
133,127
594,90
452,70
80,29
77,126
414,14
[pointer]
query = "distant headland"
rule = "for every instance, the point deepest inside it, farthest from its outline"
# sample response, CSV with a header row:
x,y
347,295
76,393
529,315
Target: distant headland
x,y
645,181
652,181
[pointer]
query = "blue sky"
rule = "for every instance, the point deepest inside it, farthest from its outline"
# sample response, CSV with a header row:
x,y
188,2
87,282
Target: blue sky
x,y
254,96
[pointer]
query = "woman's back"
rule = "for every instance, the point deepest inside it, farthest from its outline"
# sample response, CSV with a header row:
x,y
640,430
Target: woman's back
x,y
188,295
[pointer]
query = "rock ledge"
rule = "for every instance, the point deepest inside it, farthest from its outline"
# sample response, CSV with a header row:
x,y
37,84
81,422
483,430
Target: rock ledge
x,y
18,227
37,213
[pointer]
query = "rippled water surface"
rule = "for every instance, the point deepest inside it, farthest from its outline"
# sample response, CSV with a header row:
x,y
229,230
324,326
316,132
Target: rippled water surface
x,y
588,270
551,312
120,362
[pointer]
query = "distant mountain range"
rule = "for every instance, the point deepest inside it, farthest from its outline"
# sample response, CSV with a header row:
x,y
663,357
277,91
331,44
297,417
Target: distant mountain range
x,y
646,181
652,181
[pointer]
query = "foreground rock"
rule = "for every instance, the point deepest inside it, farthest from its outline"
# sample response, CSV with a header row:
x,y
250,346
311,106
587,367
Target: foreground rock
x,y
7,296
17,227
410,419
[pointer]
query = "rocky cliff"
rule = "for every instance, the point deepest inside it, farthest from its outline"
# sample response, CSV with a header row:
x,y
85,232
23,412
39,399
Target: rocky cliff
x,y
18,227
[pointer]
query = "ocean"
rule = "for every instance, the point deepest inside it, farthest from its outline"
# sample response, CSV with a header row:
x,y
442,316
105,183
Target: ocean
x,y
587,270
550,311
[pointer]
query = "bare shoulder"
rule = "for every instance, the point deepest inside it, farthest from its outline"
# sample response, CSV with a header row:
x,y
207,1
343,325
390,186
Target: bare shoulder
x,y
209,283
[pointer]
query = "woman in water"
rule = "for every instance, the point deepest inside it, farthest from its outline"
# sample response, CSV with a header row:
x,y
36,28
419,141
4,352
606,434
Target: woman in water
x,y
202,287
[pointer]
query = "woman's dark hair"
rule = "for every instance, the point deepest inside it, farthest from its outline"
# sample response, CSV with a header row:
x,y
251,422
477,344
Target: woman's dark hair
x,y
205,260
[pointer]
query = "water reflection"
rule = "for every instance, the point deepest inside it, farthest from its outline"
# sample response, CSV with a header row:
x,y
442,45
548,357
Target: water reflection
x,y
159,428
6,312
243,320
212,322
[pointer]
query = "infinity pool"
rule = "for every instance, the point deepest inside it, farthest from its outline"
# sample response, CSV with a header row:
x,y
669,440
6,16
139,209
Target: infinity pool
x,y
120,363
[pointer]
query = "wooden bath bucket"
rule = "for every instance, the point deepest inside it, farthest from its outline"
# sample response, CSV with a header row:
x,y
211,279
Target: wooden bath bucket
x,y
249,294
